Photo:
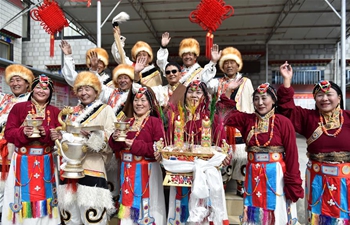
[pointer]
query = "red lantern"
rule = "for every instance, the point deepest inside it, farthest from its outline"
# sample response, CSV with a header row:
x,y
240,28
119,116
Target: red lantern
x,y
52,19
209,15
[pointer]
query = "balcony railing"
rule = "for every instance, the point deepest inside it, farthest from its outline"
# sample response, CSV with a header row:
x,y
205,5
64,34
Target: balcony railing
x,y
300,77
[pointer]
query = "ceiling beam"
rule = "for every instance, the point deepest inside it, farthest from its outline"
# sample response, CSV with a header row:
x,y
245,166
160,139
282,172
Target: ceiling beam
x,y
138,7
80,28
288,6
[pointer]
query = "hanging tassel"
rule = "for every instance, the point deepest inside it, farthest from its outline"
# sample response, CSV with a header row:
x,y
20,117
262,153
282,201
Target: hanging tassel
x,y
52,45
211,39
208,44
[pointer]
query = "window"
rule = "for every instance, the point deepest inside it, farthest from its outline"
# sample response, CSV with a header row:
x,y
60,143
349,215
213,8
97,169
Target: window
x,y
70,32
6,50
300,76
26,27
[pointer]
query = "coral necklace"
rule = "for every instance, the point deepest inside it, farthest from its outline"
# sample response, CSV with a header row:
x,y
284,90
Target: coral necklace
x,y
338,130
141,127
256,131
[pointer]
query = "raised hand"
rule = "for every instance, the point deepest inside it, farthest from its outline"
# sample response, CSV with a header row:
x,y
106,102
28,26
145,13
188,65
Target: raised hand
x,y
233,85
165,39
141,63
215,53
66,48
286,72
93,60
116,30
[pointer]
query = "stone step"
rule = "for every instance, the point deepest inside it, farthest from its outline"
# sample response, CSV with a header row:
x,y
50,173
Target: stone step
x,y
234,205
234,220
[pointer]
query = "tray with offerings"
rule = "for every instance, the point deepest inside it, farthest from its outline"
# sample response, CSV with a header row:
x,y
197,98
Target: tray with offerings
x,y
179,161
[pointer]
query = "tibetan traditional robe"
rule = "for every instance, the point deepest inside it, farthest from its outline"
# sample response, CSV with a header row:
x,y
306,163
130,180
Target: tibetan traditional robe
x,y
91,202
30,191
272,175
328,169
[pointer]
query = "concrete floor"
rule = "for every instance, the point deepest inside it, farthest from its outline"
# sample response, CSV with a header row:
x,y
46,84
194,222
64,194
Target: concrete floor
x,y
301,142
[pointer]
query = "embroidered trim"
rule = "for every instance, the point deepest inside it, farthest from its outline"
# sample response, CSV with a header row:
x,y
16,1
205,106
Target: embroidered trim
x,y
87,112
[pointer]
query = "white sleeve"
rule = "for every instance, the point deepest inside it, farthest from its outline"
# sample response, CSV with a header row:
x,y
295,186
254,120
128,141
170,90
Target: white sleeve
x,y
105,93
248,95
213,85
162,59
116,55
209,72
161,95
68,70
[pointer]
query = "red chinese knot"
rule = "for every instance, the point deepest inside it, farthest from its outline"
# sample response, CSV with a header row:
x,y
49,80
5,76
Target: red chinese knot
x,y
209,15
52,19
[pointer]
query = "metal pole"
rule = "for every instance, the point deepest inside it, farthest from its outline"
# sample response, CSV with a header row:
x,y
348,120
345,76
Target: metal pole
x,y
99,23
334,10
343,34
267,63
116,5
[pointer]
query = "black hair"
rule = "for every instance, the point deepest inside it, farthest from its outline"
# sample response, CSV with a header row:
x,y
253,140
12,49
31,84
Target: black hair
x,y
203,87
172,63
151,100
336,88
272,92
36,82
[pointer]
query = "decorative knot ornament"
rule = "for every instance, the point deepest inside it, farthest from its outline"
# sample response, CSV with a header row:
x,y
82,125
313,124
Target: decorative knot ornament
x,y
51,18
209,15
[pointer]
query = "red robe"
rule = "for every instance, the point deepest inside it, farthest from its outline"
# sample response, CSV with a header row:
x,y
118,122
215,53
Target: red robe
x,y
143,144
139,190
283,135
14,131
32,167
306,121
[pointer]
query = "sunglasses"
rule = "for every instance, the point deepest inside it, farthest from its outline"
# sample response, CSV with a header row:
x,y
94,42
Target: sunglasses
x,y
167,72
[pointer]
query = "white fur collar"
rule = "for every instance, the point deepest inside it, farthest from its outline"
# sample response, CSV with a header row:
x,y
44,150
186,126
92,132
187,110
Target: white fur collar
x,y
86,111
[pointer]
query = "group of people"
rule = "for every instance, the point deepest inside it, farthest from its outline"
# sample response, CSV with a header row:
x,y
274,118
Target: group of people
x,y
124,177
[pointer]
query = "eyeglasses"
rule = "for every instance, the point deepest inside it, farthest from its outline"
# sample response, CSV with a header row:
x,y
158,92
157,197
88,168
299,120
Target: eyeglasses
x,y
167,72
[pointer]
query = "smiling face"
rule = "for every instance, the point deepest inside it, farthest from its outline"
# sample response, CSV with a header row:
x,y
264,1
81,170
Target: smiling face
x,y
41,94
86,94
18,85
124,82
263,103
327,102
172,78
230,68
194,96
141,105
189,59
100,66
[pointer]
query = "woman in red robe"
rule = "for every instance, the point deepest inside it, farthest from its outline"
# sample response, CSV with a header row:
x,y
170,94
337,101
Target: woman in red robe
x,y
273,182
327,130
183,206
141,195
30,191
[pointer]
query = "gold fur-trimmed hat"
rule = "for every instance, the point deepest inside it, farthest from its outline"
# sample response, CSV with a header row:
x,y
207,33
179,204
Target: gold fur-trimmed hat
x,y
189,45
123,69
18,70
87,78
101,54
139,47
230,53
